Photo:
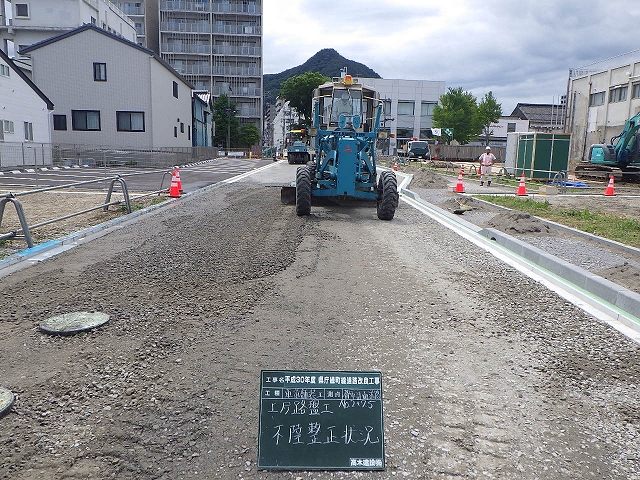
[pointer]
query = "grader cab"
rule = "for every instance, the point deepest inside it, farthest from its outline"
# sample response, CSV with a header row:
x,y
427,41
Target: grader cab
x,y
345,127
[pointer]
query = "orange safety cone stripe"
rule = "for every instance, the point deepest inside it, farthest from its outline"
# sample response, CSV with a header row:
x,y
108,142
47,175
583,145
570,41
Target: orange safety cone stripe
x,y
610,191
459,186
522,190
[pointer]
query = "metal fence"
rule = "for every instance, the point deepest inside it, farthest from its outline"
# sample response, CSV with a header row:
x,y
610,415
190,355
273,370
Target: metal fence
x,y
27,154
464,152
30,154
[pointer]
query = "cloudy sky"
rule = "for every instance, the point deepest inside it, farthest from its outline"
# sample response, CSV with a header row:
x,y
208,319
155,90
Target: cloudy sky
x,y
521,50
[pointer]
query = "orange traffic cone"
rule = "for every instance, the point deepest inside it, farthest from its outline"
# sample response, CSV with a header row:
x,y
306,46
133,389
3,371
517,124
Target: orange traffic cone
x,y
459,186
395,166
522,190
609,192
176,172
174,190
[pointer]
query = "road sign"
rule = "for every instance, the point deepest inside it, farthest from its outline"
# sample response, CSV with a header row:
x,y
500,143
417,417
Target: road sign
x,y
321,421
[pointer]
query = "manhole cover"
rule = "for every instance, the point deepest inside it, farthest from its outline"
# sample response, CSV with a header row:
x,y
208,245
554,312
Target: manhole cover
x,y
70,323
6,401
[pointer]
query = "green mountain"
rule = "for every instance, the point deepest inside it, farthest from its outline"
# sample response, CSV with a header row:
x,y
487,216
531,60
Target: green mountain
x,y
327,62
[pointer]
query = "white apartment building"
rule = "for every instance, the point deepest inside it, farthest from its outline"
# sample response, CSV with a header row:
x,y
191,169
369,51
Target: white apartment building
x,y
601,97
110,92
285,116
24,118
25,22
144,14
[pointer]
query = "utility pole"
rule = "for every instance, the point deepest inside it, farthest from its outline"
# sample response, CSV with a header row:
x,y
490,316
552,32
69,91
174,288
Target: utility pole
x,y
229,110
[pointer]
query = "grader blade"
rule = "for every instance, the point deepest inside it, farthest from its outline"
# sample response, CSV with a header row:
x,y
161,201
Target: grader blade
x,y
288,195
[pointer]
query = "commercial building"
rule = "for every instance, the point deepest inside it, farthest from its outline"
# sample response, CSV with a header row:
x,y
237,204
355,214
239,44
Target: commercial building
x,y
601,98
407,108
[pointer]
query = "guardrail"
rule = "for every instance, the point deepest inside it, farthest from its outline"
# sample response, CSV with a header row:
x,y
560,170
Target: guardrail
x,y
24,232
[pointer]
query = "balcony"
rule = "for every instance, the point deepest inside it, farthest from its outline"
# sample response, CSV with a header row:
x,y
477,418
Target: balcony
x,y
230,7
132,10
241,51
200,48
189,27
237,29
237,91
201,69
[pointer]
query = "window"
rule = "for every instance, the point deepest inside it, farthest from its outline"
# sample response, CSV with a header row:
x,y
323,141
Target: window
x,y
93,21
596,99
175,89
404,133
22,10
635,92
59,122
511,127
4,70
189,132
7,126
100,72
426,109
175,132
386,107
85,120
405,108
28,131
618,94
181,127
130,121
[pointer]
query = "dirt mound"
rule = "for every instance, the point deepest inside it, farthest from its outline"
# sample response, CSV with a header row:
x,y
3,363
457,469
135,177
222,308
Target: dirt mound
x,y
518,222
423,178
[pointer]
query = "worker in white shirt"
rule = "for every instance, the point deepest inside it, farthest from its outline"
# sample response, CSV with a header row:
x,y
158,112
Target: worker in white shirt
x,y
486,163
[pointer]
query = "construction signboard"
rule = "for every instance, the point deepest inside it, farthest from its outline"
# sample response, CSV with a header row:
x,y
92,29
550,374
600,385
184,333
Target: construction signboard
x,y
321,421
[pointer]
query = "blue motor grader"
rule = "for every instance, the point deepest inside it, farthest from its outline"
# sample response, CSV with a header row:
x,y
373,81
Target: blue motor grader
x,y
345,128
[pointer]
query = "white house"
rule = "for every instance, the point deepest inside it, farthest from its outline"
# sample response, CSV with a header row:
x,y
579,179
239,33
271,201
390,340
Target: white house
x,y
111,92
24,118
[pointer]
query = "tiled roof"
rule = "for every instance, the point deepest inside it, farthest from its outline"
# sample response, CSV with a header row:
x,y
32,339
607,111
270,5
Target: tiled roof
x,y
537,113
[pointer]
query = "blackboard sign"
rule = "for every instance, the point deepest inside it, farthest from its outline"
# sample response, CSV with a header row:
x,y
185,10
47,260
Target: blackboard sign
x,y
321,421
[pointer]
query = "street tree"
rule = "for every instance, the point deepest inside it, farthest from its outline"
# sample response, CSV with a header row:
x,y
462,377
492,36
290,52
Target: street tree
x,y
227,124
249,135
298,91
489,111
457,111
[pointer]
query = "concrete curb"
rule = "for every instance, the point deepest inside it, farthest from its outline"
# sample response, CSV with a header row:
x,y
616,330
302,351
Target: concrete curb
x,y
621,304
612,293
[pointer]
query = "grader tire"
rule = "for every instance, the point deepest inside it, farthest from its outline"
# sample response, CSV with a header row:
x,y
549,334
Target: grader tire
x,y
387,195
303,191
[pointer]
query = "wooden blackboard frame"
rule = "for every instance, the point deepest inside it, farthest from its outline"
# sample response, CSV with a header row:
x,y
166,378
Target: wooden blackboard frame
x,y
321,420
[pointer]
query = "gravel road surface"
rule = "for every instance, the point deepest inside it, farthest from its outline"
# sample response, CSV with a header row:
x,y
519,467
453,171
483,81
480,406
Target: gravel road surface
x,y
486,373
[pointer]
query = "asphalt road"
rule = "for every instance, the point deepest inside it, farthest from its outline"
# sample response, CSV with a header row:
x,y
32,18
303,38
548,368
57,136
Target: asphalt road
x,y
141,180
